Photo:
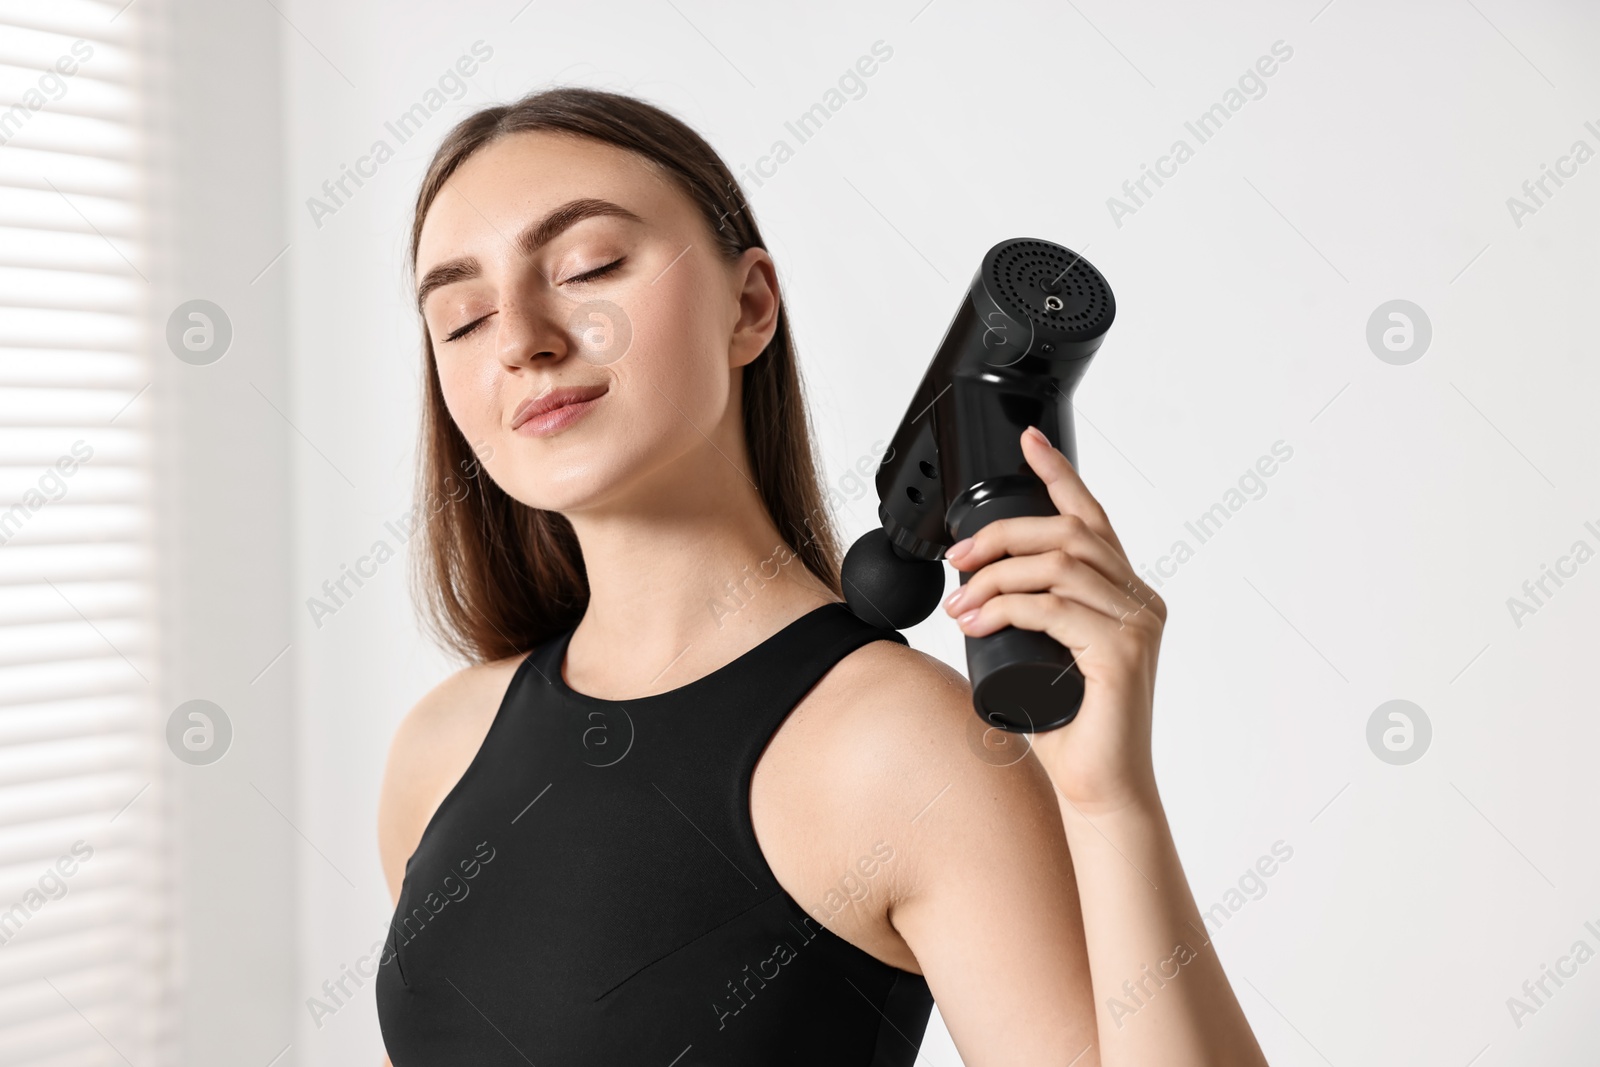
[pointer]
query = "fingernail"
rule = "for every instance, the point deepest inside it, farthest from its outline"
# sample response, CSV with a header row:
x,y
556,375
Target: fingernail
x,y
959,549
968,618
955,597
1039,436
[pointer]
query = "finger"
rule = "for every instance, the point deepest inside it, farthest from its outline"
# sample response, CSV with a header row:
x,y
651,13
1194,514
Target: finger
x,y
1028,534
1067,491
1076,626
1056,571
1025,535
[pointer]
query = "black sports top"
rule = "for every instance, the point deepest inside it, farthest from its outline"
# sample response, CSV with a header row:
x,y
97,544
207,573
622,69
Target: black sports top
x,y
591,890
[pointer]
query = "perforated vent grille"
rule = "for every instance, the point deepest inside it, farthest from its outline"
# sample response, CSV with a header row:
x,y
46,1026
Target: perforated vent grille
x,y
1026,274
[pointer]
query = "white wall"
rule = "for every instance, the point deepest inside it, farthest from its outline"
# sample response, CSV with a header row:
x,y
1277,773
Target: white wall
x,y
226,493
1376,566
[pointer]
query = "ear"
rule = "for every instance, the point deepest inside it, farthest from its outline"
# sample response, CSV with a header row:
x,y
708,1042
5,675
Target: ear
x,y
756,281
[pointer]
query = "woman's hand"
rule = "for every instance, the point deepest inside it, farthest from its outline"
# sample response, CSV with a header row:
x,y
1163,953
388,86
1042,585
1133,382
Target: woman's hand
x,y
1067,575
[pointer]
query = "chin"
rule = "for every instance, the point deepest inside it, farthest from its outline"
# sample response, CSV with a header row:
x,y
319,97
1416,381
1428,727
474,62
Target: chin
x,y
556,479
566,491
596,463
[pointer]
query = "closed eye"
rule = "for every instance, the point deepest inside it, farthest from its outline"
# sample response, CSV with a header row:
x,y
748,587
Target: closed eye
x,y
464,330
587,276
596,273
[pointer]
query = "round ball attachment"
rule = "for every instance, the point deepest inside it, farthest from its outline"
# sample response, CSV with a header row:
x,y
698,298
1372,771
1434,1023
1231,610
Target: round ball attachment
x,y
887,589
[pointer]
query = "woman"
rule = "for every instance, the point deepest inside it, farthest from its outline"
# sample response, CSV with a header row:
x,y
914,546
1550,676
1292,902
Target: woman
x,y
685,808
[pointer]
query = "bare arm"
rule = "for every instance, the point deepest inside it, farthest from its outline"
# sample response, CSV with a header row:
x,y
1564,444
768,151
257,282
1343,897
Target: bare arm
x,y
1160,991
980,883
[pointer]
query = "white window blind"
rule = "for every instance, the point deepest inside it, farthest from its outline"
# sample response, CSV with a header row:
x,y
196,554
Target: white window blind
x,y
84,899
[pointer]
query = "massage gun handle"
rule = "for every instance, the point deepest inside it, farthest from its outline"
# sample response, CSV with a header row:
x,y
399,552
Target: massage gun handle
x,y
1023,681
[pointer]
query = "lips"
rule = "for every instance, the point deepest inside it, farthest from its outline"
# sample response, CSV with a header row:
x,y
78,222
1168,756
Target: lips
x,y
553,399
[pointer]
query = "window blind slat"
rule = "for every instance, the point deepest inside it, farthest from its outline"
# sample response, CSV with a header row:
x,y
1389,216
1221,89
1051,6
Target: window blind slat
x,y
81,738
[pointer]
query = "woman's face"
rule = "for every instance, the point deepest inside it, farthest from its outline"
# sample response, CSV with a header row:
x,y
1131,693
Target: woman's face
x,y
630,303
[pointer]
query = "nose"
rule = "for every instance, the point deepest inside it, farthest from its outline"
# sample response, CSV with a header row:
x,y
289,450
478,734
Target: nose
x,y
532,327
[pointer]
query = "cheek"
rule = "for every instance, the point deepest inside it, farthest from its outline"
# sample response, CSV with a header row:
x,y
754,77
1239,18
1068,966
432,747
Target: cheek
x,y
677,367
469,395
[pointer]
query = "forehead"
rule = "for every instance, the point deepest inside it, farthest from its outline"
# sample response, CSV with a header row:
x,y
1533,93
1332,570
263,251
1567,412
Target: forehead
x,y
522,176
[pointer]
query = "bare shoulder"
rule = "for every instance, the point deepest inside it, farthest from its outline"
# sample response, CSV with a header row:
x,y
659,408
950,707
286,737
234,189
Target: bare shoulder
x,y
431,748
896,761
975,827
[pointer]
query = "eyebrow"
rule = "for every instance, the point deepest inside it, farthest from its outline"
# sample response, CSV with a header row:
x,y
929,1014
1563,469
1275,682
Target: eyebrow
x,y
533,237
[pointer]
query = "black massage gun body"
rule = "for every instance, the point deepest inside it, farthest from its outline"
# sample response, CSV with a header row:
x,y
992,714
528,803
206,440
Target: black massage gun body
x,y
1035,314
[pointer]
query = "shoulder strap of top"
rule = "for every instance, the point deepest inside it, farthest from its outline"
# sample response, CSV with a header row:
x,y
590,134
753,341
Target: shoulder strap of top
x,y
785,666
788,665
762,694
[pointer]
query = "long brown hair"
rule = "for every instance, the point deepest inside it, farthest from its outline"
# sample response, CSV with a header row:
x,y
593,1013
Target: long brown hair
x,y
495,577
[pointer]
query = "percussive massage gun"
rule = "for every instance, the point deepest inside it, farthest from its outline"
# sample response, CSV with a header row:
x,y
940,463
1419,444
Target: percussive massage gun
x,y
1023,336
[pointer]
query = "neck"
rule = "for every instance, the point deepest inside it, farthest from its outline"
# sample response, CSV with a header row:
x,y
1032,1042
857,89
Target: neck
x,y
686,571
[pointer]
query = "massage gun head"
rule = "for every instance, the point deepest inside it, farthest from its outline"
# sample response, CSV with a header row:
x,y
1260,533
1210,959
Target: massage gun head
x,y
888,587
